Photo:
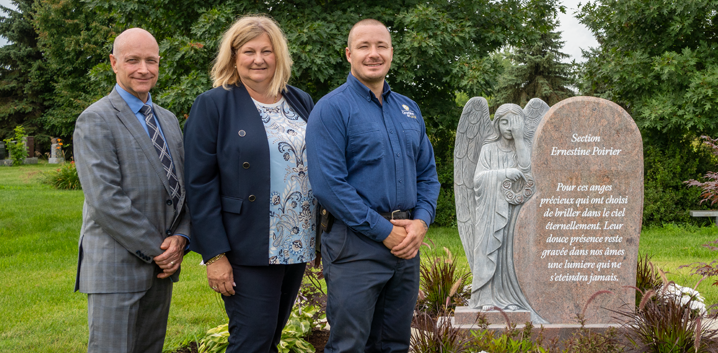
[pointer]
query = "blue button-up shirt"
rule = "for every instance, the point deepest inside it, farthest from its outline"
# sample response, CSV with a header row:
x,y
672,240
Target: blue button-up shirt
x,y
135,105
367,158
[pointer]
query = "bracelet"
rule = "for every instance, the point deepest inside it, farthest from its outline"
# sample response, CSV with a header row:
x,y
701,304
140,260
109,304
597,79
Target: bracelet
x,y
426,227
214,259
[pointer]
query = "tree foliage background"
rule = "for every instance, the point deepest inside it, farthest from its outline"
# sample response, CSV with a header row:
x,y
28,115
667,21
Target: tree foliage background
x,y
441,48
654,60
658,60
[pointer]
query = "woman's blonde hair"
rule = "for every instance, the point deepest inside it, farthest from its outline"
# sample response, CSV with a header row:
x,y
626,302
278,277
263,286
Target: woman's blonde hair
x,y
224,72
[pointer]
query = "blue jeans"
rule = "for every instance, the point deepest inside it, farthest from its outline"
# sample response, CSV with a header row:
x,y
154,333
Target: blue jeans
x,y
371,293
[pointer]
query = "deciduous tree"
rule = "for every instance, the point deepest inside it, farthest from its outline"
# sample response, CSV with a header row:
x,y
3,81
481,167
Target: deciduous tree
x,y
657,59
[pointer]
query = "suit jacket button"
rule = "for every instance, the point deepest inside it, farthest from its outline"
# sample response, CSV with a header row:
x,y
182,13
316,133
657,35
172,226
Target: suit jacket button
x,y
169,232
251,198
169,202
242,133
245,165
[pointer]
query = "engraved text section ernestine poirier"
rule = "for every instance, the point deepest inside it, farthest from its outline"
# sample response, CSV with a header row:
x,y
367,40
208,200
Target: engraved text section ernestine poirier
x,y
579,234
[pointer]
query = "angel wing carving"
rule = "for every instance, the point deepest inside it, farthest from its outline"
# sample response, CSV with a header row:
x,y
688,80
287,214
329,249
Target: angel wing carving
x,y
534,110
474,127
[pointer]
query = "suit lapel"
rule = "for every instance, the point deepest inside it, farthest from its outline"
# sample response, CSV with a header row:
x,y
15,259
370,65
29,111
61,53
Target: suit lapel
x,y
128,118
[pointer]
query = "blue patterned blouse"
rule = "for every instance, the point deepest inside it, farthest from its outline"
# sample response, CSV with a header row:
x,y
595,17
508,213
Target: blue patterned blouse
x,y
292,221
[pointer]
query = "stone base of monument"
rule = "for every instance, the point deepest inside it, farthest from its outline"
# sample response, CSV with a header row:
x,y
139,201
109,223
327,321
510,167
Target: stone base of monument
x,y
464,315
32,160
55,160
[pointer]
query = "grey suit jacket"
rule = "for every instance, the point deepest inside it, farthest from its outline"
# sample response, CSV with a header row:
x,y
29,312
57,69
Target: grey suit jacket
x,y
128,210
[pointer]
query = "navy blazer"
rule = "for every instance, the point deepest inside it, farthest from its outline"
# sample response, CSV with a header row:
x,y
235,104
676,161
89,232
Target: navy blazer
x,y
227,174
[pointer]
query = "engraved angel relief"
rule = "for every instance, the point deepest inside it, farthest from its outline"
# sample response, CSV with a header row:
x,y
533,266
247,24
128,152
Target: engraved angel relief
x,y
492,180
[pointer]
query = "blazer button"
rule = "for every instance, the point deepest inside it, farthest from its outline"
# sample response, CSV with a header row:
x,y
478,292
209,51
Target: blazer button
x,y
251,198
169,202
168,232
242,133
245,165
324,212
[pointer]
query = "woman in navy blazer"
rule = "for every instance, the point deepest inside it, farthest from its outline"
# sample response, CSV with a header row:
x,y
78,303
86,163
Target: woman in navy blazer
x,y
252,209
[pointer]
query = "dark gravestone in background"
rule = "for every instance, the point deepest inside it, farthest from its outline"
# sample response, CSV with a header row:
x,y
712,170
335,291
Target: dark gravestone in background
x,y
30,144
579,233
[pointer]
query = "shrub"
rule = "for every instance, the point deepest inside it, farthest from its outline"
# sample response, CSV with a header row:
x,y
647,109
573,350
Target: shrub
x,y
510,341
311,292
298,327
216,340
666,199
65,177
16,146
586,341
445,208
709,189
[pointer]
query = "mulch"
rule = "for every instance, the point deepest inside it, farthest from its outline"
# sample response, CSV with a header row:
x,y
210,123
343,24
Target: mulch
x,y
318,339
192,348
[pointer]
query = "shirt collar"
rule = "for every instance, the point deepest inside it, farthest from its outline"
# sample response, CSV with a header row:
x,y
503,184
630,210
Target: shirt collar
x,y
363,90
134,102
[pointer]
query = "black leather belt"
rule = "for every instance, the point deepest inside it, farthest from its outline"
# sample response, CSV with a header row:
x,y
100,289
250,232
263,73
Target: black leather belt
x,y
397,215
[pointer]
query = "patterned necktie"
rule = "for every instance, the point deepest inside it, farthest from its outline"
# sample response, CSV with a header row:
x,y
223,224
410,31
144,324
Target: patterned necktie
x,y
163,152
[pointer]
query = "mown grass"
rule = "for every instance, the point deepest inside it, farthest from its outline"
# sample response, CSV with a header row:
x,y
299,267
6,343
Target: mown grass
x,y
39,229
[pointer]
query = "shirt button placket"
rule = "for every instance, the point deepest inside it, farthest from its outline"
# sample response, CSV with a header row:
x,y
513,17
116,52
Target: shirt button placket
x,y
396,147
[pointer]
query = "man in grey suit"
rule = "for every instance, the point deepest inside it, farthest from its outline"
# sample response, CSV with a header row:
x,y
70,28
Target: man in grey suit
x,y
129,157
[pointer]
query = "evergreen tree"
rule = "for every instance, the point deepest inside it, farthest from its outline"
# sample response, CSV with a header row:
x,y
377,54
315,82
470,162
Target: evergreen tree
x,y
535,70
20,95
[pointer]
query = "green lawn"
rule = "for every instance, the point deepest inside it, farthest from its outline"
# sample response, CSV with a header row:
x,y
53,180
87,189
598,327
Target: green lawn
x,y
39,229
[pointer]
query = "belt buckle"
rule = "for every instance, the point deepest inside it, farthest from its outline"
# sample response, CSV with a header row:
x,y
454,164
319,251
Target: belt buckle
x,y
392,214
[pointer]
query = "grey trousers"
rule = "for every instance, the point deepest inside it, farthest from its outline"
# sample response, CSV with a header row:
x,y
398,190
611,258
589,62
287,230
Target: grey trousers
x,y
129,322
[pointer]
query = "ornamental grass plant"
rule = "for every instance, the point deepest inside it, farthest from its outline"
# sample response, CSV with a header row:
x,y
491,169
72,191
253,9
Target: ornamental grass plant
x,y
443,285
669,319
647,277
433,334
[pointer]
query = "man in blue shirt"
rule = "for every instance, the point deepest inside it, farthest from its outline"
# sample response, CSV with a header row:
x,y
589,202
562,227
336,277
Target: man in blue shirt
x,y
129,157
372,167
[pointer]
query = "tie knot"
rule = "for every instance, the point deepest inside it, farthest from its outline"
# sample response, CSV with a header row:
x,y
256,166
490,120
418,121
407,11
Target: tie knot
x,y
146,110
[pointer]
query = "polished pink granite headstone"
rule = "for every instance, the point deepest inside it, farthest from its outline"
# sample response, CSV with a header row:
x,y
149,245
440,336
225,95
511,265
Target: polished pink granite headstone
x,y
579,233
